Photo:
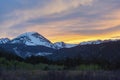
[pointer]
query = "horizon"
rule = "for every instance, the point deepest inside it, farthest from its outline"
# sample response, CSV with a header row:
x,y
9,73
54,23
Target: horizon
x,y
70,21
59,40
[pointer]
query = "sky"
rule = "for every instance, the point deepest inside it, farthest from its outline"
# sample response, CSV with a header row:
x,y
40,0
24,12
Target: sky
x,y
71,21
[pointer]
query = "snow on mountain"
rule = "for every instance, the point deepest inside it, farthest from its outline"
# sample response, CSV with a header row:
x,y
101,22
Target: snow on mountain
x,y
35,44
91,42
4,40
98,41
35,39
32,39
60,45
43,54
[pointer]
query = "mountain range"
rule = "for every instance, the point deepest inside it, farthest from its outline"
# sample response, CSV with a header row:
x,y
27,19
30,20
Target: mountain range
x,y
33,44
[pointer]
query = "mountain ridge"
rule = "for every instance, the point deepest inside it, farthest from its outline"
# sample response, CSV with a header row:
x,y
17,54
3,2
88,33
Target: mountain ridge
x,y
33,44
36,39
28,38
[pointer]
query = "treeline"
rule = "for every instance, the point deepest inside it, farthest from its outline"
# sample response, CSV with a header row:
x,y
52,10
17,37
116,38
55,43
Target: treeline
x,y
72,63
9,60
9,55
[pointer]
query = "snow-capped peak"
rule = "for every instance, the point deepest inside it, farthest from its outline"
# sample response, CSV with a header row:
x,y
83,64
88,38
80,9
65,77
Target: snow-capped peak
x,y
4,40
32,39
60,45
91,42
98,41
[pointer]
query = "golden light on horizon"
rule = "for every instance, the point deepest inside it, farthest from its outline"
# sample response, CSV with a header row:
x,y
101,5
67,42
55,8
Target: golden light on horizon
x,y
73,21
78,38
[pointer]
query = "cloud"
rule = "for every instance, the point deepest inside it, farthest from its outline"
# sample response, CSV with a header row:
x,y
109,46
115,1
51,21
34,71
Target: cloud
x,y
116,37
84,18
53,7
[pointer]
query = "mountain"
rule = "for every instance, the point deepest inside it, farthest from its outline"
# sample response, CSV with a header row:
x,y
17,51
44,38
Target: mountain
x,y
98,42
60,45
35,39
108,51
4,40
91,42
32,39
28,44
24,51
33,44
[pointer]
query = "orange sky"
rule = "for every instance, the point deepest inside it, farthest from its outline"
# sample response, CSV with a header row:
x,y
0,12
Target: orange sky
x,y
78,38
71,21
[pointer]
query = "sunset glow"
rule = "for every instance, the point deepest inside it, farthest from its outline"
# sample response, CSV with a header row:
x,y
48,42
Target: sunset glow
x,y
71,21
